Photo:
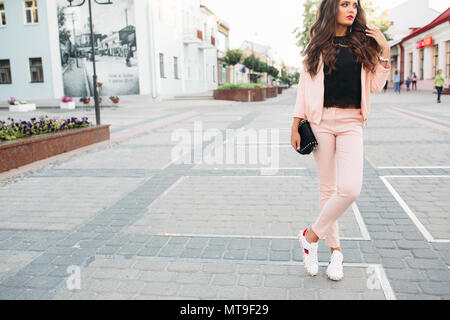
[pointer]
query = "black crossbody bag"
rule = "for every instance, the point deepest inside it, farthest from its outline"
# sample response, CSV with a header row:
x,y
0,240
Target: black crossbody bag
x,y
308,141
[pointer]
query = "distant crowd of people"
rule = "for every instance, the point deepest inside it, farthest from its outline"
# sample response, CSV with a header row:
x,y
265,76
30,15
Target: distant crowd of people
x,y
411,81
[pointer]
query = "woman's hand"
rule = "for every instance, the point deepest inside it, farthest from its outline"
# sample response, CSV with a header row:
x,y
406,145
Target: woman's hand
x,y
379,37
295,137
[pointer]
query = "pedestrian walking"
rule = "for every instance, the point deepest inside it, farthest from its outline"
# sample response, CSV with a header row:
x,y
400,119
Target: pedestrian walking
x,y
408,83
439,82
397,81
414,82
342,66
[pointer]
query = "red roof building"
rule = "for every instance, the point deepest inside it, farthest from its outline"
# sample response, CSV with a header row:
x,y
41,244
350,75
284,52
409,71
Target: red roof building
x,y
424,52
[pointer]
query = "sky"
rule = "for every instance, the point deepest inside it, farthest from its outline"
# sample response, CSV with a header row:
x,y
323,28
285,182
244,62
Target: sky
x,y
274,21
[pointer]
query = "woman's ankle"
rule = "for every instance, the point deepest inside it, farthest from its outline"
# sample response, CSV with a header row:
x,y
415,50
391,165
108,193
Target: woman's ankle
x,y
311,237
338,249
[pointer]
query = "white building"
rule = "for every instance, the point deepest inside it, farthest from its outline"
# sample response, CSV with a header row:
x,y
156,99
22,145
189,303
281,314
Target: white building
x,y
425,51
265,53
160,48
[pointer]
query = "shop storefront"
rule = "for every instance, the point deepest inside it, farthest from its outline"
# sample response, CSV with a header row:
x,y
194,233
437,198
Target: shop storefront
x,y
424,52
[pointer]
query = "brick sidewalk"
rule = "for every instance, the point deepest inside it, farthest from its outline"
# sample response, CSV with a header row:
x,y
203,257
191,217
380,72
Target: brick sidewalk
x,y
136,225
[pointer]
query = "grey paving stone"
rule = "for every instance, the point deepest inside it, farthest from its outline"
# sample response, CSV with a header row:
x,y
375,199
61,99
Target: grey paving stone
x,y
258,253
171,251
283,281
193,278
181,266
262,293
235,254
439,275
423,253
148,251
33,294
46,282
239,244
408,275
426,264
405,287
225,280
17,280
199,291
213,252
434,288
197,243
7,293
393,262
233,293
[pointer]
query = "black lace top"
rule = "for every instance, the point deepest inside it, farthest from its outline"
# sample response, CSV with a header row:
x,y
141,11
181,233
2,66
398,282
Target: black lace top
x,y
343,85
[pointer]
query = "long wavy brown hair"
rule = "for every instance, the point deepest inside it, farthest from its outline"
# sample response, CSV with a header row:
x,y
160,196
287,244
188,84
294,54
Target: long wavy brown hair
x,y
322,32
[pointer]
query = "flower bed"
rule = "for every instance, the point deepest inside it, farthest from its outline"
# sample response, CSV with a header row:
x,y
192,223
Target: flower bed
x,y
21,129
24,142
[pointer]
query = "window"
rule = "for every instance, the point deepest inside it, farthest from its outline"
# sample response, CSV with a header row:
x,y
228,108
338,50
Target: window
x,y
161,65
421,59
36,70
175,67
2,15
31,12
448,58
5,72
410,64
435,60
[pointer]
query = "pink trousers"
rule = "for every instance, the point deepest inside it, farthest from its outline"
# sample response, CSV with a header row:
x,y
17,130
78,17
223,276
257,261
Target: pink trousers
x,y
339,159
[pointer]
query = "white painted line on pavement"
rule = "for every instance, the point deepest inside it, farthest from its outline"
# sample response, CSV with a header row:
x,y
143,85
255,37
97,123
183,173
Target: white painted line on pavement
x,y
435,167
371,163
237,236
360,221
406,208
379,270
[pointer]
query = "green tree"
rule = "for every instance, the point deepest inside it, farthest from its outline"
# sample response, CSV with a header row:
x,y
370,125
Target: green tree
x,y
252,63
233,57
273,71
379,20
64,34
309,16
262,67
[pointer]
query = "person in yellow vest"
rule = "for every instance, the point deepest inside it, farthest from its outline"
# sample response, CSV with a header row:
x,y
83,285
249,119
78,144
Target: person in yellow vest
x,y
439,82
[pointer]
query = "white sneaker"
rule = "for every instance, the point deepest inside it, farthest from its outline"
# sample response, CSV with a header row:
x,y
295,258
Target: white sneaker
x,y
310,260
335,270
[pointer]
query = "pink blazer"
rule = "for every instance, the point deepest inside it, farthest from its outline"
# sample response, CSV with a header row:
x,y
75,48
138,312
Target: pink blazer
x,y
310,92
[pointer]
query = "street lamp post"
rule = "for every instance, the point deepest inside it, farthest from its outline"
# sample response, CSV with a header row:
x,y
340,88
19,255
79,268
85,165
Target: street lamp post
x,y
94,82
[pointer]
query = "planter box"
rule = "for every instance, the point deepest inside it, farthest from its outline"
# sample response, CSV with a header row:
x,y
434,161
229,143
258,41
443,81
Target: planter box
x,y
17,153
241,94
67,105
280,90
22,107
271,92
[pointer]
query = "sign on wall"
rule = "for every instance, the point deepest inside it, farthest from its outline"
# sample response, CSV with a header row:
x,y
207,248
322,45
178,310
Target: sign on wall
x,y
425,43
115,48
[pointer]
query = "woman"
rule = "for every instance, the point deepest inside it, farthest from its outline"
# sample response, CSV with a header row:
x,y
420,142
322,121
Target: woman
x,y
414,82
439,82
342,65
